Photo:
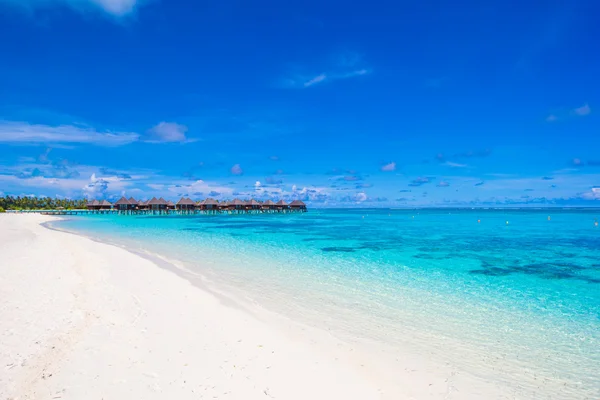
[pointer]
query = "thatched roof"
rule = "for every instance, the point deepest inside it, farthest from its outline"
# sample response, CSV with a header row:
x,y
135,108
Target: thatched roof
x,y
210,202
297,203
269,203
186,201
281,203
253,203
236,202
170,203
93,203
132,201
156,202
105,203
122,201
224,203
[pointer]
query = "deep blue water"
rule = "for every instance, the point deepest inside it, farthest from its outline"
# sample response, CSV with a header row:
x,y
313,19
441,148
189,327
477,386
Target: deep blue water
x,y
516,289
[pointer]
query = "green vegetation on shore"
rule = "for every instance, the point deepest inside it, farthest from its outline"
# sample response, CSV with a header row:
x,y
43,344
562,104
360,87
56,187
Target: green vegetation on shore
x,y
39,203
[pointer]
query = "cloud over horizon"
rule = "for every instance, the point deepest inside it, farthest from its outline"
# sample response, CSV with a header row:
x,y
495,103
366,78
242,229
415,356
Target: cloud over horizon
x,y
117,8
16,132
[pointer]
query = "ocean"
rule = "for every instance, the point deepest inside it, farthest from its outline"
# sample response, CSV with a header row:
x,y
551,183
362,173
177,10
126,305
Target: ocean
x,y
512,295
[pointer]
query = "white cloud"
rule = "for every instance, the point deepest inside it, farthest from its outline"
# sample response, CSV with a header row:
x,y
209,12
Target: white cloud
x,y
593,194
455,165
342,66
23,132
316,79
95,188
389,167
118,8
583,110
167,132
306,82
237,170
313,193
361,197
178,188
562,115
577,162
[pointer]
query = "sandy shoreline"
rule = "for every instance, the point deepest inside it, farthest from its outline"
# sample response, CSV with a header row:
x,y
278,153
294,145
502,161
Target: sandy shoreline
x,y
83,319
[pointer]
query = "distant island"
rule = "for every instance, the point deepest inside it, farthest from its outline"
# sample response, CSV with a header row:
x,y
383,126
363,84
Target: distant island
x,y
161,206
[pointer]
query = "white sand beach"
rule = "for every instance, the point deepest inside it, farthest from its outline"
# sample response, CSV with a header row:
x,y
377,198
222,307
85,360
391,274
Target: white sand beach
x,y
86,320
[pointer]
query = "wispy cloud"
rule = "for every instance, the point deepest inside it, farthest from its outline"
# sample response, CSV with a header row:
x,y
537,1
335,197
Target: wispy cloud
x,y
577,162
583,110
167,132
593,194
118,8
443,158
455,165
273,181
389,167
237,170
344,66
315,80
305,82
23,132
19,132
420,181
565,114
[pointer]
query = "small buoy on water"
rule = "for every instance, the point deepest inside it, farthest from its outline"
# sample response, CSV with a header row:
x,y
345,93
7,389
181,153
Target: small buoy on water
x,y
506,222
478,221
548,218
595,223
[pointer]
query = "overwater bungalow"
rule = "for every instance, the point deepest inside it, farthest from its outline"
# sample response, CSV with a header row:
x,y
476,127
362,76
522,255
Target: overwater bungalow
x,y
268,205
134,203
93,205
236,204
298,205
252,205
157,204
281,206
210,204
123,204
185,203
105,205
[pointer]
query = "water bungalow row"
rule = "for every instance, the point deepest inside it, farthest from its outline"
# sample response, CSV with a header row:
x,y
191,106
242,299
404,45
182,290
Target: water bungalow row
x,y
185,205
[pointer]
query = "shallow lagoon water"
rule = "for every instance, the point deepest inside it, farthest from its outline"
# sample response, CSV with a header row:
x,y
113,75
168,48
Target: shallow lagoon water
x,y
517,302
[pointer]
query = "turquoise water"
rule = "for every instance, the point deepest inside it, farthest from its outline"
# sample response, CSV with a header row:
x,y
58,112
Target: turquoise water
x,y
516,302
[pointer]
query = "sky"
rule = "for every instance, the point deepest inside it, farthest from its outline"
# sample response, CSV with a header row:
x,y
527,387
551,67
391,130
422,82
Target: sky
x,y
340,104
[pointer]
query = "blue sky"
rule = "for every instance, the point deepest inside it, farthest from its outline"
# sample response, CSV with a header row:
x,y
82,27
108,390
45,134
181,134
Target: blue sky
x,y
378,104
